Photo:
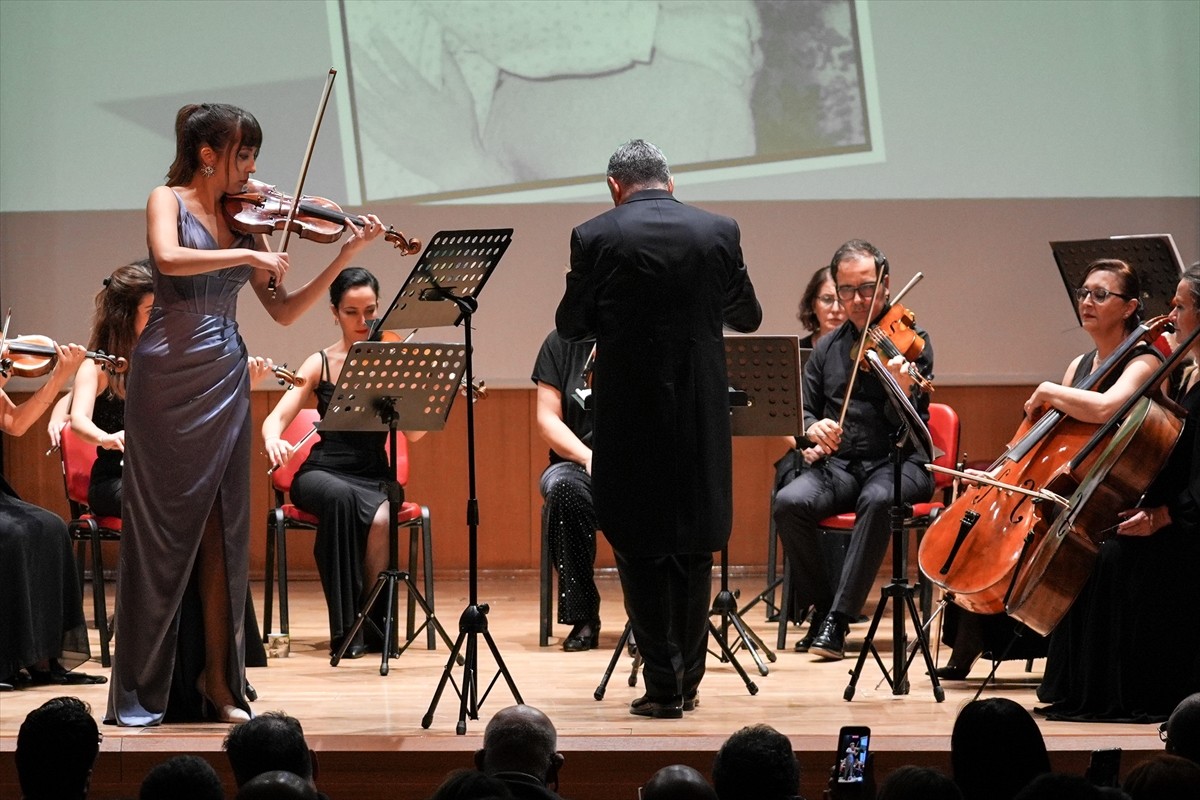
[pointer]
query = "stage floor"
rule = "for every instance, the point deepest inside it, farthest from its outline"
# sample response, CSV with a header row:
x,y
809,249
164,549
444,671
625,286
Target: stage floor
x,y
367,730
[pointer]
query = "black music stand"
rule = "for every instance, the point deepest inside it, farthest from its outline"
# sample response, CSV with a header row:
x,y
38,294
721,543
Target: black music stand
x,y
442,290
388,386
911,429
1153,257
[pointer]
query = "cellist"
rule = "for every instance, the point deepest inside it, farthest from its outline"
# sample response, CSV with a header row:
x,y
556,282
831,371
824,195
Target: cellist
x,y
1108,308
855,473
1129,648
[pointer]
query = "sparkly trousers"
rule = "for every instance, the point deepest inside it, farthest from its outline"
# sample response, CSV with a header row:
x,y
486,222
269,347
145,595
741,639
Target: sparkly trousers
x,y
569,519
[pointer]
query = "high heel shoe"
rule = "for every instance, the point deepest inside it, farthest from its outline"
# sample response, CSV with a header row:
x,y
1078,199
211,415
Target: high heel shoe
x,y
223,713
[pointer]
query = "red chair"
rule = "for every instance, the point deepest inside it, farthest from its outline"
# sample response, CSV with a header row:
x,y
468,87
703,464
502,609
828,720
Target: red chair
x,y
87,528
944,428
285,516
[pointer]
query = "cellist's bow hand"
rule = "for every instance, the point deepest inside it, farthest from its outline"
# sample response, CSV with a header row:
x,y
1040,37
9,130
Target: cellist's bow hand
x,y
826,434
969,476
1143,521
278,452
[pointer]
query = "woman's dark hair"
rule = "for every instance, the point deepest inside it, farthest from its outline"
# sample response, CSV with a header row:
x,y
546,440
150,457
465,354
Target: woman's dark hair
x,y
808,317
347,279
116,312
996,748
222,127
1131,287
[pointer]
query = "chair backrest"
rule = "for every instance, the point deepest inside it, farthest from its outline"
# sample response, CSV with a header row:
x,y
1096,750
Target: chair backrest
x,y
281,479
944,427
77,459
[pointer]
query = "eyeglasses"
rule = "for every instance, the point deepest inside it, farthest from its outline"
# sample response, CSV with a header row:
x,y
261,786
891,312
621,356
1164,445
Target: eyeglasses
x,y
827,300
1099,295
865,291
1162,731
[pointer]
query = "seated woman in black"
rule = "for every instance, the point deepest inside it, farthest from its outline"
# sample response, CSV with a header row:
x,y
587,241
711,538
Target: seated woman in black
x,y
341,481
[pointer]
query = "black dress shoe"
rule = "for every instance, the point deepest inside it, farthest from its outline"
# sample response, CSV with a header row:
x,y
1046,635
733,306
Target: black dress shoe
x,y
692,700
814,627
952,672
584,636
357,650
59,676
831,640
662,708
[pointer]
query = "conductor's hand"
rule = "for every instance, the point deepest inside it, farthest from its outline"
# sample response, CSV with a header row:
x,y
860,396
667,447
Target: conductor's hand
x,y
826,433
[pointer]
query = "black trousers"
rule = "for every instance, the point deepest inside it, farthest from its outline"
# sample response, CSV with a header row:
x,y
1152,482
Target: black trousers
x,y
667,599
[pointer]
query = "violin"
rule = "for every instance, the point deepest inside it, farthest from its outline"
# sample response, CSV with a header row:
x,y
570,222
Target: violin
x,y
478,389
894,335
35,356
264,209
287,377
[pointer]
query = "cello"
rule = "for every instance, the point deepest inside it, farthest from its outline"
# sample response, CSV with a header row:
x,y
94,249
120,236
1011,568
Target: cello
x,y
976,546
1136,443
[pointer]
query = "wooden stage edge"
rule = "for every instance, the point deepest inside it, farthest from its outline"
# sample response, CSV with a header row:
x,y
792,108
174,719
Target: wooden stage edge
x,y
366,727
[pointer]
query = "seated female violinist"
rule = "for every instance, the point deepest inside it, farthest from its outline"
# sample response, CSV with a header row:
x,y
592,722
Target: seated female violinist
x,y
44,635
97,414
1129,648
340,482
1108,310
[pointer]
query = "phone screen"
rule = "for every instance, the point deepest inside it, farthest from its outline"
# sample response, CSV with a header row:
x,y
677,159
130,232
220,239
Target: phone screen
x,y
852,754
1105,767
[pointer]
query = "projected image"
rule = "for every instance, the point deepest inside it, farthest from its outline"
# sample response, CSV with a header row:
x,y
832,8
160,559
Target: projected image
x,y
486,96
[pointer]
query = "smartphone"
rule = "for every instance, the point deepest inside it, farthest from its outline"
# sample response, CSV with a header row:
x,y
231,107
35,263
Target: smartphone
x,y
853,744
1104,768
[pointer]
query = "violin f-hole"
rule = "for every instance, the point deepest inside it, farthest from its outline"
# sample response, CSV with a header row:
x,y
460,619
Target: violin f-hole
x,y
969,518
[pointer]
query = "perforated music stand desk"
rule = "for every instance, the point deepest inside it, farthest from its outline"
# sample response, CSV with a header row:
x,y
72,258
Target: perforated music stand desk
x,y
1153,257
454,262
386,386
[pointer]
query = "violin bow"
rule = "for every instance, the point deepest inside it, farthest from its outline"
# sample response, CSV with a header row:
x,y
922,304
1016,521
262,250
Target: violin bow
x,y
312,141
862,342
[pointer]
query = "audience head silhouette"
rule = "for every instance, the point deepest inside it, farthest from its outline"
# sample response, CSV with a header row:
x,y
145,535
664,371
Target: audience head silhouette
x,y
678,782
918,783
1163,777
1057,786
56,749
277,785
469,784
1182,729
756,763
271,741
996,749
182,778
521,739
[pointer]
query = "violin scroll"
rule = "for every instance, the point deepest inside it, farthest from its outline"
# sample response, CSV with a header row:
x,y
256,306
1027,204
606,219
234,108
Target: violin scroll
x,y
287,377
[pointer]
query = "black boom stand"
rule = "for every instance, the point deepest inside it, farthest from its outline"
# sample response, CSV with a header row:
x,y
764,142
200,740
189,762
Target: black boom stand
x,y
393,385
913,430
442,290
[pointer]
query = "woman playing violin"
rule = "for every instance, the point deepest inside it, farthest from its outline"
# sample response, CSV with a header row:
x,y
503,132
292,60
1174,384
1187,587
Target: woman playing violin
x,y
1108,307
185,504
42,629
1129,648
340,482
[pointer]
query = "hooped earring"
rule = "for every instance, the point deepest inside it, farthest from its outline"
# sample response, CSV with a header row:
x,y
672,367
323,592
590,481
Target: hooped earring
x,y
207,170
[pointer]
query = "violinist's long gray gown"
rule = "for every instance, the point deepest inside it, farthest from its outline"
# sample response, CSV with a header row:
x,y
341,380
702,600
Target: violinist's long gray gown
x,y
187,440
